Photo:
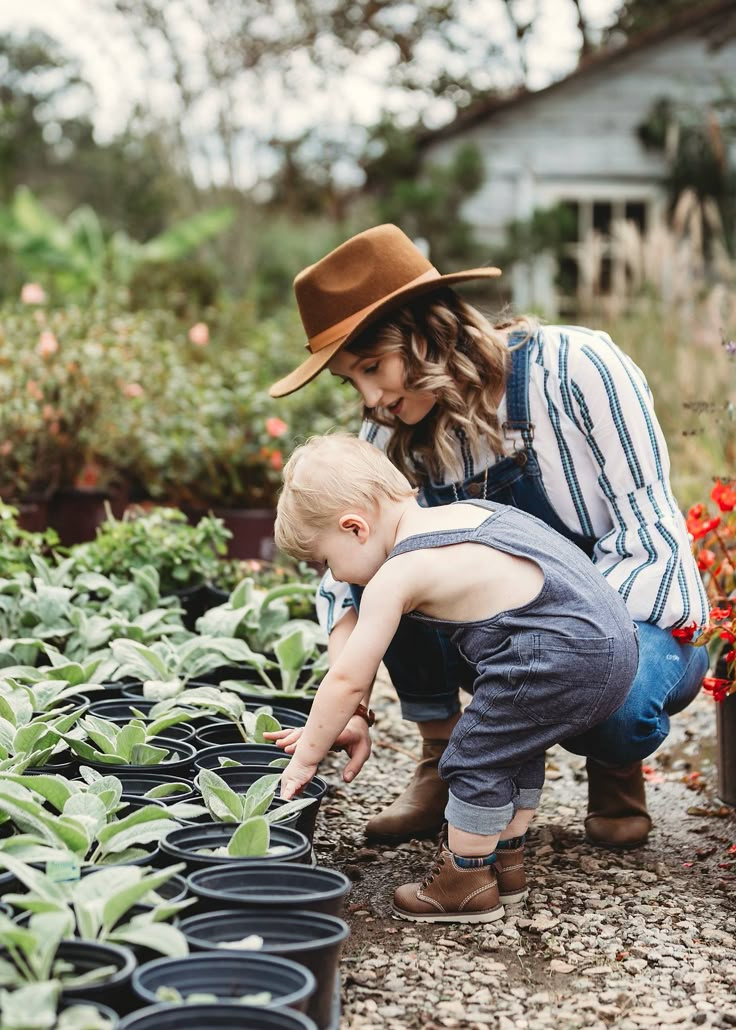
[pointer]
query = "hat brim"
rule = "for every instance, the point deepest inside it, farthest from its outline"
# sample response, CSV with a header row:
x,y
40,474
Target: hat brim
x,y
314,364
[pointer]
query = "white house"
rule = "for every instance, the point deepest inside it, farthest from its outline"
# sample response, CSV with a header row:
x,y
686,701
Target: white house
x,y
577,141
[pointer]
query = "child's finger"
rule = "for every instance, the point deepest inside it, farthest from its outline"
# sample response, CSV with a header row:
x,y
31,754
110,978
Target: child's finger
x,y
277,734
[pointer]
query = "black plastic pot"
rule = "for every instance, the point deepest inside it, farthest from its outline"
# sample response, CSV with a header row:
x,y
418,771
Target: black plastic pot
x,y
229,977
65,763
313,939
114,990
197,600
178,763
184,845
261,886
176,888
225,731
239,779
138,781
245,754
120,711
296,702
216,1017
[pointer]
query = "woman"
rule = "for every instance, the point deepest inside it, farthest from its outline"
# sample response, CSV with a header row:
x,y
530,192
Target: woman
x,y
555,420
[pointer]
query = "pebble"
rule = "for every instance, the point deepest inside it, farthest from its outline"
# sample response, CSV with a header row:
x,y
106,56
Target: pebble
x,y
625,940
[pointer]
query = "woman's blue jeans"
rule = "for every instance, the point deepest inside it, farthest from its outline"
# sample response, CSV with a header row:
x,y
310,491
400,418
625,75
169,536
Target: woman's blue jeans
x,y
427,671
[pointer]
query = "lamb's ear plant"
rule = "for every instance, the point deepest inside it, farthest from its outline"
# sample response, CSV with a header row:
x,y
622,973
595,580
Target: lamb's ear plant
x,y
250,725
227,806
35,1007
95,907
298,656
128,744
252,614
165,668
170,994
27,739
31,953
85,832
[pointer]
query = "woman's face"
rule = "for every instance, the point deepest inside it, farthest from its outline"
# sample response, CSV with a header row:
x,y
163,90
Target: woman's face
x,y
380,379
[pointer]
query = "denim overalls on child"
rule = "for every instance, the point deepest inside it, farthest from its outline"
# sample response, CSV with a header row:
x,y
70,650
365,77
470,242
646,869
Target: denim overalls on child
x,y
427,670
544,671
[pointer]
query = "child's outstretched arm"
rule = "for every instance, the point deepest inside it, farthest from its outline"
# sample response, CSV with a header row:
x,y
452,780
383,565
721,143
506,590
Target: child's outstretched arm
x,y
347,682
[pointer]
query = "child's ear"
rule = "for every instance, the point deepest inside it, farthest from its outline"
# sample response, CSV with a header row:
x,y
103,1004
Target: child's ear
x,y
355,524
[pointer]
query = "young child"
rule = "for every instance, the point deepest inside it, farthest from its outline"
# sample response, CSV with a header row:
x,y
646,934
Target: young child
x,y
553,647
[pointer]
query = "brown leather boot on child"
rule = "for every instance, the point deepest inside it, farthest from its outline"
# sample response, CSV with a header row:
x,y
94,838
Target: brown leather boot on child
x,y
512,887
419,811
450,894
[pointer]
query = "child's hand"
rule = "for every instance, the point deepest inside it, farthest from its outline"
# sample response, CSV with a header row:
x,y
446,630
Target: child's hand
x,y
285,739
295,777
356,740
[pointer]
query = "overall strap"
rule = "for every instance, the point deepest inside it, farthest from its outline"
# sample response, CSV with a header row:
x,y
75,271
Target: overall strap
x,y
517,391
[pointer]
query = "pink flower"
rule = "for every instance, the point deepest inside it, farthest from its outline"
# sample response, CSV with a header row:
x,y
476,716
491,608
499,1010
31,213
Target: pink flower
x,y
275,426
32,293
6,448
133,390
199,334
276,461
47,344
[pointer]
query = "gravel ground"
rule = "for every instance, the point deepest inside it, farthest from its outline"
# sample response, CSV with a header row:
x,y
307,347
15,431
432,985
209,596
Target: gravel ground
x,y
626,940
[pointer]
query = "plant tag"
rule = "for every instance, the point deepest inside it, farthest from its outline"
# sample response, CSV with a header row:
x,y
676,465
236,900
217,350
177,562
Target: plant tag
x,y
63,870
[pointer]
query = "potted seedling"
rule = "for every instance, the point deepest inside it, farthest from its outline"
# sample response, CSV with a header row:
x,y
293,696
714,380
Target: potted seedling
x,y
40,1005
215,843
101,905
226,805
84,829
132,744
38,952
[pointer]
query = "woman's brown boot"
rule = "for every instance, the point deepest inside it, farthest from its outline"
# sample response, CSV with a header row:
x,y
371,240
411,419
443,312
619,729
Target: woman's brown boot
x,y
617,806
419,811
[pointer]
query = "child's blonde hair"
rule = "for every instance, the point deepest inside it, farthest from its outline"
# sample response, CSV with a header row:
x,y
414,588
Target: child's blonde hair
x,y
326,477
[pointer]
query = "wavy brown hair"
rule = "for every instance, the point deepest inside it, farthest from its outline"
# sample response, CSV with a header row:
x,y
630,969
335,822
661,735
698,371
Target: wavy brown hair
x,y
452,350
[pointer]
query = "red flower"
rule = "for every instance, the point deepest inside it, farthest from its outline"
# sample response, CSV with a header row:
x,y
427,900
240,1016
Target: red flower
x,y
717,688
276,460
724,494
685,633
730,656
728,636
716,614
697,527
276,426
706,558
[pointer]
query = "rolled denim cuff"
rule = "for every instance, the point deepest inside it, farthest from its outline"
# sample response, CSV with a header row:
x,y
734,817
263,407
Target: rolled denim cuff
x,y
475,819
528,797
426,710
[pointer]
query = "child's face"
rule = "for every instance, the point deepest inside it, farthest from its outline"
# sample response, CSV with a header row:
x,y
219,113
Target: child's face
x,y
350,557
380,379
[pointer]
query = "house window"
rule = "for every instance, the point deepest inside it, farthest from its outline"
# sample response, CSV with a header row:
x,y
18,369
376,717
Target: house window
x,y
596,215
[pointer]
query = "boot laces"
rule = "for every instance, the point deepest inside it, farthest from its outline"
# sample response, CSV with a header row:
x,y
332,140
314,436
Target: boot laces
x,y
436,869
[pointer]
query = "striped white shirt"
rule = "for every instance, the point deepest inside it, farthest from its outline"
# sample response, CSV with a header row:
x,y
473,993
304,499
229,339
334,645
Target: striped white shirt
x,y
605,469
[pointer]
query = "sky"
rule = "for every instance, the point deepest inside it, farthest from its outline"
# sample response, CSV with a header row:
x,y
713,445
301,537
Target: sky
x,y
121,75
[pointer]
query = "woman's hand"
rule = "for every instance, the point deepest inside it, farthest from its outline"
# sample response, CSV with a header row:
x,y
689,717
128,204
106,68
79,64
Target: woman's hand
x,y
295,777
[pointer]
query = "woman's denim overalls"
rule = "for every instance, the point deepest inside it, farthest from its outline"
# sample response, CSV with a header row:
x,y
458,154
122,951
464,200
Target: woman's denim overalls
x,y
427,671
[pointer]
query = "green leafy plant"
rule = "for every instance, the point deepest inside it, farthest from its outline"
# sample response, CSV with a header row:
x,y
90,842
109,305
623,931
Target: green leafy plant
x,y
227,806
112,744
18,546
256,615
35,1006
252,839
95,906
32,952
27,739
165,668
250,725
85,828
161,538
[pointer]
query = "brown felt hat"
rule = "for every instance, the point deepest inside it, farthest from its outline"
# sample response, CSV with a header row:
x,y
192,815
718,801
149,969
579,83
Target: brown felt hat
x,y
354,285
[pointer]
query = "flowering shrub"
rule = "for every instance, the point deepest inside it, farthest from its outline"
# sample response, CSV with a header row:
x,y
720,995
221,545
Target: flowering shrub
x,y
714,545
95,397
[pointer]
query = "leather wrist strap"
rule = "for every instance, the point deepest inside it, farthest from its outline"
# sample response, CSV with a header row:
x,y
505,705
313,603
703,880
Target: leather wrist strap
x,y
365,713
